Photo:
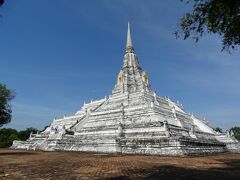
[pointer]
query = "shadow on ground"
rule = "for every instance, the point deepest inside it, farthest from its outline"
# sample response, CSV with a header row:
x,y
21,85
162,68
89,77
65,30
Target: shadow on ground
x,y
231,171
16,153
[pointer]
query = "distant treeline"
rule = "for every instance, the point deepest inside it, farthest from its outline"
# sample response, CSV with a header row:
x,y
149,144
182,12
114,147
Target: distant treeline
x,y
8,135
235,130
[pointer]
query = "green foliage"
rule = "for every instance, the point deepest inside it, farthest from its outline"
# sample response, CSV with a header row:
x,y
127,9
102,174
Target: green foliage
x,y
8,135
236,132
6,96
1,2
24,135
217,129
220,17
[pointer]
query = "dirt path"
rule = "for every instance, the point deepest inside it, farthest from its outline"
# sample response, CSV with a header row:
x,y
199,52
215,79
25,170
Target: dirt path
x,y
19,164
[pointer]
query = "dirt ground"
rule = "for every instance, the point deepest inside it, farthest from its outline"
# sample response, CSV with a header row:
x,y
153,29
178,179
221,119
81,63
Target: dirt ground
x,y
20,164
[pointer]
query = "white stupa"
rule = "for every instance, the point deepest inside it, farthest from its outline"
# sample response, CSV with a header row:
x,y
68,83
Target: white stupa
x,y
133,119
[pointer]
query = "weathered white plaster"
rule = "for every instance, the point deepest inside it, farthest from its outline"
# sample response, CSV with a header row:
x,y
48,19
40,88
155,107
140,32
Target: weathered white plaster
x,y
134,120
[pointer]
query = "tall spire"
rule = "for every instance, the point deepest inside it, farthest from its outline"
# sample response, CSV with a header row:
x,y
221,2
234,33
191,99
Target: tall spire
x,y
129,46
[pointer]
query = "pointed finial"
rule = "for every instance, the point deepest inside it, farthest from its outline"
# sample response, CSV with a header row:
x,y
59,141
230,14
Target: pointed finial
x,y
129,46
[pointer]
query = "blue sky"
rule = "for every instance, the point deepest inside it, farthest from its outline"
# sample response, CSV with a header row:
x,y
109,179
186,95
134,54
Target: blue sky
x,y
57,54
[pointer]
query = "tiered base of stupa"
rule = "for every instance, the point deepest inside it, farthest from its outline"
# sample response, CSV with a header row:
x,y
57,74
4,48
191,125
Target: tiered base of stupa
x,y
129,125
169,146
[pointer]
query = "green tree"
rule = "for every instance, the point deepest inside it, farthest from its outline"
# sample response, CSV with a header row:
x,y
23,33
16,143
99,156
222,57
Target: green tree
x,y
220,17
1,2
217,129
7,136
6,96
24,135
236,132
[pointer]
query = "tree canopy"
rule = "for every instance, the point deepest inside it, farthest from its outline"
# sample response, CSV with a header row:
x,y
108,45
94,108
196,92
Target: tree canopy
x,y
1,2
236,132
220,17
24,135
8,135
217,129
6,96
